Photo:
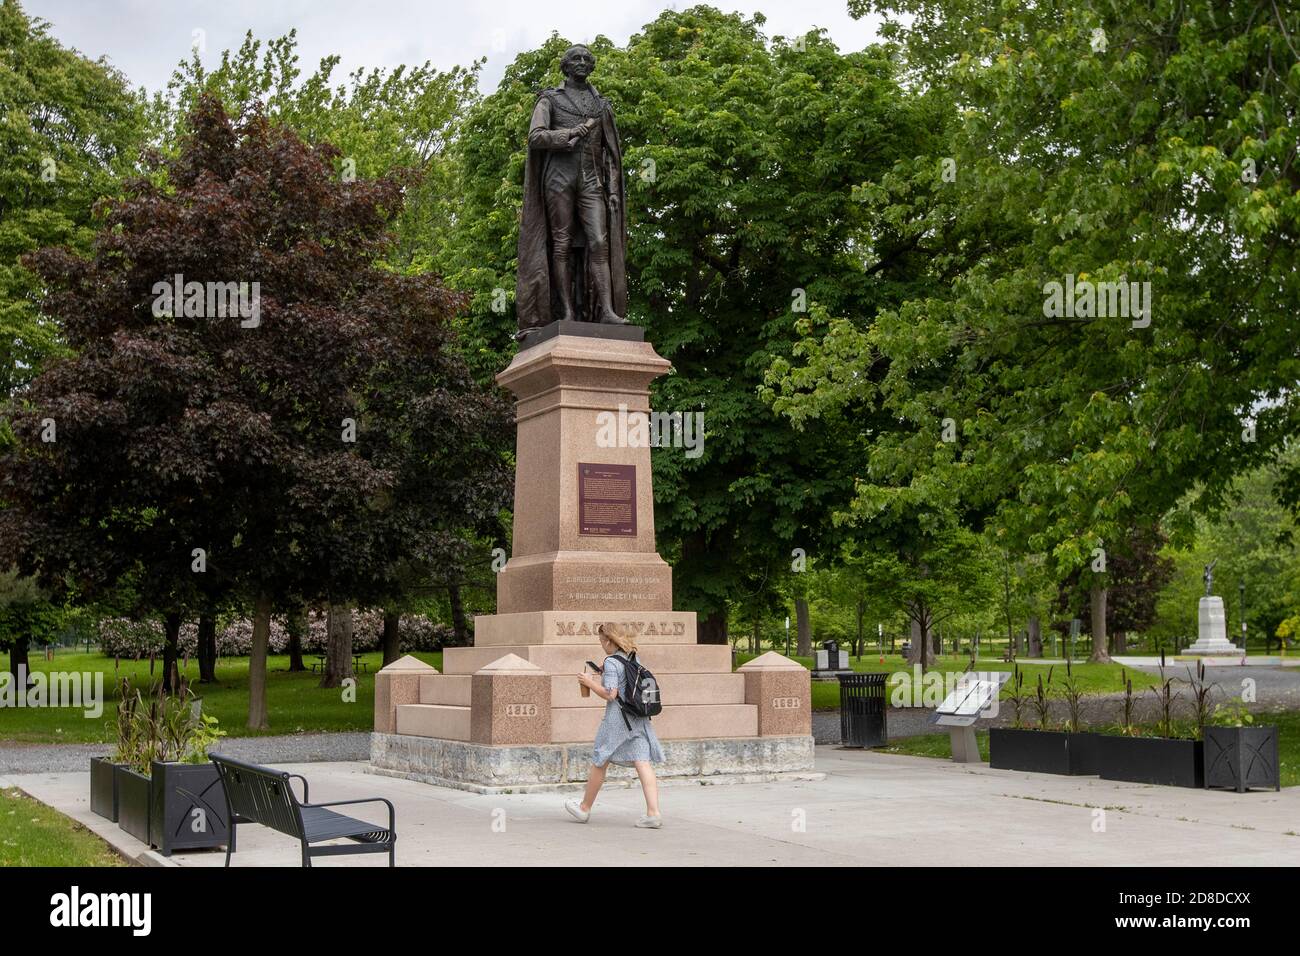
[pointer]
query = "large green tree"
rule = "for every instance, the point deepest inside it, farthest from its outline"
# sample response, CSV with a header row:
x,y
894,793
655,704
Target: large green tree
x,y
379,120
1128,141
742,154
69,128
304,446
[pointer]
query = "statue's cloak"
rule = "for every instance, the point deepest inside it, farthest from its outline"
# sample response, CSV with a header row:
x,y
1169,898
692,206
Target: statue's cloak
x,y
533,298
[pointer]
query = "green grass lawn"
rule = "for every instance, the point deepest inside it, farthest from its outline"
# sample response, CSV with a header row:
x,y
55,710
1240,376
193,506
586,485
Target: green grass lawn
x,y
295,703
1288,724
1093,678
32,834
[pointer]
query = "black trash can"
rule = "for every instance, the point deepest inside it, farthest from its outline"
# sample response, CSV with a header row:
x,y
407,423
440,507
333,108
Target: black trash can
x,y
862,710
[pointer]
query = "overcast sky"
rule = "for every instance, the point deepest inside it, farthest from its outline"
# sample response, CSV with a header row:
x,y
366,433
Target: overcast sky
x,y
145,38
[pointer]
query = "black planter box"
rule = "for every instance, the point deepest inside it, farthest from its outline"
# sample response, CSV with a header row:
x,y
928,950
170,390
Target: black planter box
x,y
1043,751
133,797
189,807
1169,762
1038,751
103,788
1085,754
1239,758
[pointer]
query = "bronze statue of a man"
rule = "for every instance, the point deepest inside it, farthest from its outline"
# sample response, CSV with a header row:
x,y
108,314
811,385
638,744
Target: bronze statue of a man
x,y
572,232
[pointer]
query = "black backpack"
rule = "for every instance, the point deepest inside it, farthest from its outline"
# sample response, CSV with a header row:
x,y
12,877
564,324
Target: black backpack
x,y
638,693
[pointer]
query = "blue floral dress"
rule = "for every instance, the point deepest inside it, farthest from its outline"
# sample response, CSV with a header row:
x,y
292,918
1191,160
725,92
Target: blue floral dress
x,y
616,742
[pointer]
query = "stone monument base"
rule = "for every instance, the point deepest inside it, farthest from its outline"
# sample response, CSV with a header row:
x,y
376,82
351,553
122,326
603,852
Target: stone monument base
x,y
1212,648
1212,631
506,722
482,768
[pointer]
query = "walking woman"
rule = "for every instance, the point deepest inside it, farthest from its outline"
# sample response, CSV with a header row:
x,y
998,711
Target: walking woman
x,y
622,738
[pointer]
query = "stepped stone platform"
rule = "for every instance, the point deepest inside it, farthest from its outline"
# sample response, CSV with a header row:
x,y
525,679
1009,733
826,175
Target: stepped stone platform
x,y
508,713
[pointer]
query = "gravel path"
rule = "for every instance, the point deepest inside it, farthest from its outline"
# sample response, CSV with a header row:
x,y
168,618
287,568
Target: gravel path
x,y
292,748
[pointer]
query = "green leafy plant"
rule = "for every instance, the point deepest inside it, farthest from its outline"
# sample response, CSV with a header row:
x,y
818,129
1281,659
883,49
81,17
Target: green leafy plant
x,y
127,745
163,727
1202,694
1042,701
1166,697
205,734
1014,694
1127,728
1232,714
1073,694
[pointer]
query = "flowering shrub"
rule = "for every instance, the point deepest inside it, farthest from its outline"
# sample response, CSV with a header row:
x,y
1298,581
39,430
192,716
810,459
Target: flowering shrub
x,y
416,632
123,637
235,639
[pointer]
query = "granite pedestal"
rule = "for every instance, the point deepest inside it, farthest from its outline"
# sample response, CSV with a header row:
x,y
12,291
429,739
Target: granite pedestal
x,y
507,712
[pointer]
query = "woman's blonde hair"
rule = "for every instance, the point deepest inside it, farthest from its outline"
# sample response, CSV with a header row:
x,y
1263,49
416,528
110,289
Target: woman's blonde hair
x,y
620,635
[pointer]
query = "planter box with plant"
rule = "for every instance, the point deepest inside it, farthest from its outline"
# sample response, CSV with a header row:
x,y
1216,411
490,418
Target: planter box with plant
x,y
1040,750
133,801
104,770
103,787
1166,759
169,795
1239,756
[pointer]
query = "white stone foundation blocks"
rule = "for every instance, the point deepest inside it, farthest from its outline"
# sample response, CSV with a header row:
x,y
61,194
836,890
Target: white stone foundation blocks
x,y
489,769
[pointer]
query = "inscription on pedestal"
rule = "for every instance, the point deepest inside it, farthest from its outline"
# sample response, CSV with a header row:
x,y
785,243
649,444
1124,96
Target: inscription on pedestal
x,y
607,588
607,500
641,628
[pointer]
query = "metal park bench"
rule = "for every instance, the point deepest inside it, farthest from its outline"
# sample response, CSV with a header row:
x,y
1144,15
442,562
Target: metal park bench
x,y
257,794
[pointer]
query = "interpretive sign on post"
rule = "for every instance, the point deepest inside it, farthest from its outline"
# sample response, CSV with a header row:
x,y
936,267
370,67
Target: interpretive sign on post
x,y
974,696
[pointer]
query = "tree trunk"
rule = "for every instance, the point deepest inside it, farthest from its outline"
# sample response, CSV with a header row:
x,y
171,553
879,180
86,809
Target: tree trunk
x,y
1035,636
18,659
1121,642
338,648
295,625
206,648
172,636
458,623
713,629
803,639
920,639
257,713
1099,654
392,636
859,647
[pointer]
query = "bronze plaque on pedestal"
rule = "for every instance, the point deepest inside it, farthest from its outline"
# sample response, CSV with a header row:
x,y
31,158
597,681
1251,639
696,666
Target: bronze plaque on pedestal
x,y
607,500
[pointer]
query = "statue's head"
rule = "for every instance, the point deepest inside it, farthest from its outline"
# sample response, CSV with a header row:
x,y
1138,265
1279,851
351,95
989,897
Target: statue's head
x,y
577,61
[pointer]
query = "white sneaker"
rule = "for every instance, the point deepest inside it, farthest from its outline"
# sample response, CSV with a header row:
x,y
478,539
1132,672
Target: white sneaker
x,y
650,823
575,810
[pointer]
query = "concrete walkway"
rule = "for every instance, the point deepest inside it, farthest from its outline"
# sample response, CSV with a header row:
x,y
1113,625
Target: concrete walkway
x,y
871,809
